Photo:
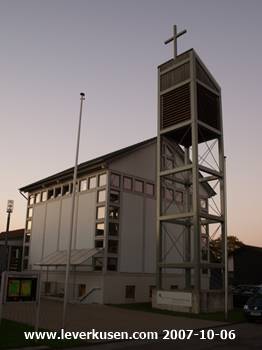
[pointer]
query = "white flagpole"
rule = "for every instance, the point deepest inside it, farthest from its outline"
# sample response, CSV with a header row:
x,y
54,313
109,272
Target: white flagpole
x,y
68,260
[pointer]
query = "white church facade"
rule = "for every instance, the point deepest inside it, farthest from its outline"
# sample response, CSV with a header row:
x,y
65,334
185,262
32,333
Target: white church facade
x,y
114,241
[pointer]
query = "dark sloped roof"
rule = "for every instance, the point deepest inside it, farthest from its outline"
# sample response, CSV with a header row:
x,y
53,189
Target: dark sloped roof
x,y
14,234
91,165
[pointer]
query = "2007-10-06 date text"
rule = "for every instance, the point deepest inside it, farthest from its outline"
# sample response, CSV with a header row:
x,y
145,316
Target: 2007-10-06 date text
x,y
203,334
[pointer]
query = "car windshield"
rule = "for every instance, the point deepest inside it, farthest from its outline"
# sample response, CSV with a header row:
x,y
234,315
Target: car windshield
x,y
255,301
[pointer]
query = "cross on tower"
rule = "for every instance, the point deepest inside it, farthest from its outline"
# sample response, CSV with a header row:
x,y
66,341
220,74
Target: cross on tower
x,y
174,38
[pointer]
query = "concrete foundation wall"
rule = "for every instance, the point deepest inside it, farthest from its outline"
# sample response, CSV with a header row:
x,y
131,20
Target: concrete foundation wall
x,y
107,288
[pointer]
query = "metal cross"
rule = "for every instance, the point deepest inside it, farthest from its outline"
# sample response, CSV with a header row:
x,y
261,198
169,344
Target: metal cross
x,y
174,38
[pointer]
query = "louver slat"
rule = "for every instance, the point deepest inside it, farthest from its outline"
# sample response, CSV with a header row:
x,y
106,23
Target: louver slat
x,y
175,106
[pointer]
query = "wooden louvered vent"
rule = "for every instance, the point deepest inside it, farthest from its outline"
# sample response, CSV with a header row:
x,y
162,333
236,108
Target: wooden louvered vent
x,y
175,106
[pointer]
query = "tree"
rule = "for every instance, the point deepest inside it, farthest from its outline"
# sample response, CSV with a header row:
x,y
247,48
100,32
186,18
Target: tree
x,y
215,247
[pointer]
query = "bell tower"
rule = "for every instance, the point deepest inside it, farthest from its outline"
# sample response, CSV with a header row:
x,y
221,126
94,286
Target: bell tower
x,y
191,214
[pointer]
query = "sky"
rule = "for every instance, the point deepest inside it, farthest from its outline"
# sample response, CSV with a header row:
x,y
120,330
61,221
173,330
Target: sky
x,y
110,49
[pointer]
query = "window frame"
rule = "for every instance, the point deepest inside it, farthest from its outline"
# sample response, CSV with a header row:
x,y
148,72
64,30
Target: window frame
x,y
99,235
131,182
43,193
116,224
153,187
99,179
83,181
101,191
130,292
97,211
143,186
118,193
90,181
118,176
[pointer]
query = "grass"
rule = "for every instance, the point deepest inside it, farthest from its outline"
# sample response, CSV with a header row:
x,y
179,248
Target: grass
x,y
12,336
235,315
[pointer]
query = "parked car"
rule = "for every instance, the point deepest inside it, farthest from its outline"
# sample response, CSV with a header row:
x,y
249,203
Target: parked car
x,y
243,292
253,308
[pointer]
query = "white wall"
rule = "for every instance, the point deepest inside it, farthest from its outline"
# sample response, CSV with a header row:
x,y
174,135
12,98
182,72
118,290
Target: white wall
x,y
52,227
51,224
37,233
141,163
131,233
65,214
86,218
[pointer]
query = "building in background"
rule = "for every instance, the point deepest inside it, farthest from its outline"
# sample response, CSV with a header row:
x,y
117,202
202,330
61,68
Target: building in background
x,y
114,243
15,248
245,265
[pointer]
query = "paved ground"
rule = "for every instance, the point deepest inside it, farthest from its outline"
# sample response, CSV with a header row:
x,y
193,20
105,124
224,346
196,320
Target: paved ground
x,y
248,337
100,317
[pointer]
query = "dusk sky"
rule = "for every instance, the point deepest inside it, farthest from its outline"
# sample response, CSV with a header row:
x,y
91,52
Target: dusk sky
x,y
110,49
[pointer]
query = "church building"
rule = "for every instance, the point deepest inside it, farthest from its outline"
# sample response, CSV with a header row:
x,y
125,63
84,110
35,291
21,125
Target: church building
x,y
114,242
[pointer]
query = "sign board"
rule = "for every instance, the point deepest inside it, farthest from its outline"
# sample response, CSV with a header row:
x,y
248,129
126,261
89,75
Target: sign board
x,y
175,298
20,287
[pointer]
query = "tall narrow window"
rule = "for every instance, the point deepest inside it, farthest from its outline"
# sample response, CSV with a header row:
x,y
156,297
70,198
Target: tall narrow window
x,y
102,180
130,292
38,198
100,214
150,189
112,246
58,191
92,182
101,196
128,183
67,189
31,199
113,229
50,194
112,264
83,185
44,196
114,212
115,180
100,229
29,225
81,290
139,186
30,212
114,196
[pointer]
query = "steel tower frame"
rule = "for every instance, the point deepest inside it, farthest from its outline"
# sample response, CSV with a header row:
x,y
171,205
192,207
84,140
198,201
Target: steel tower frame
x,y
190,117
